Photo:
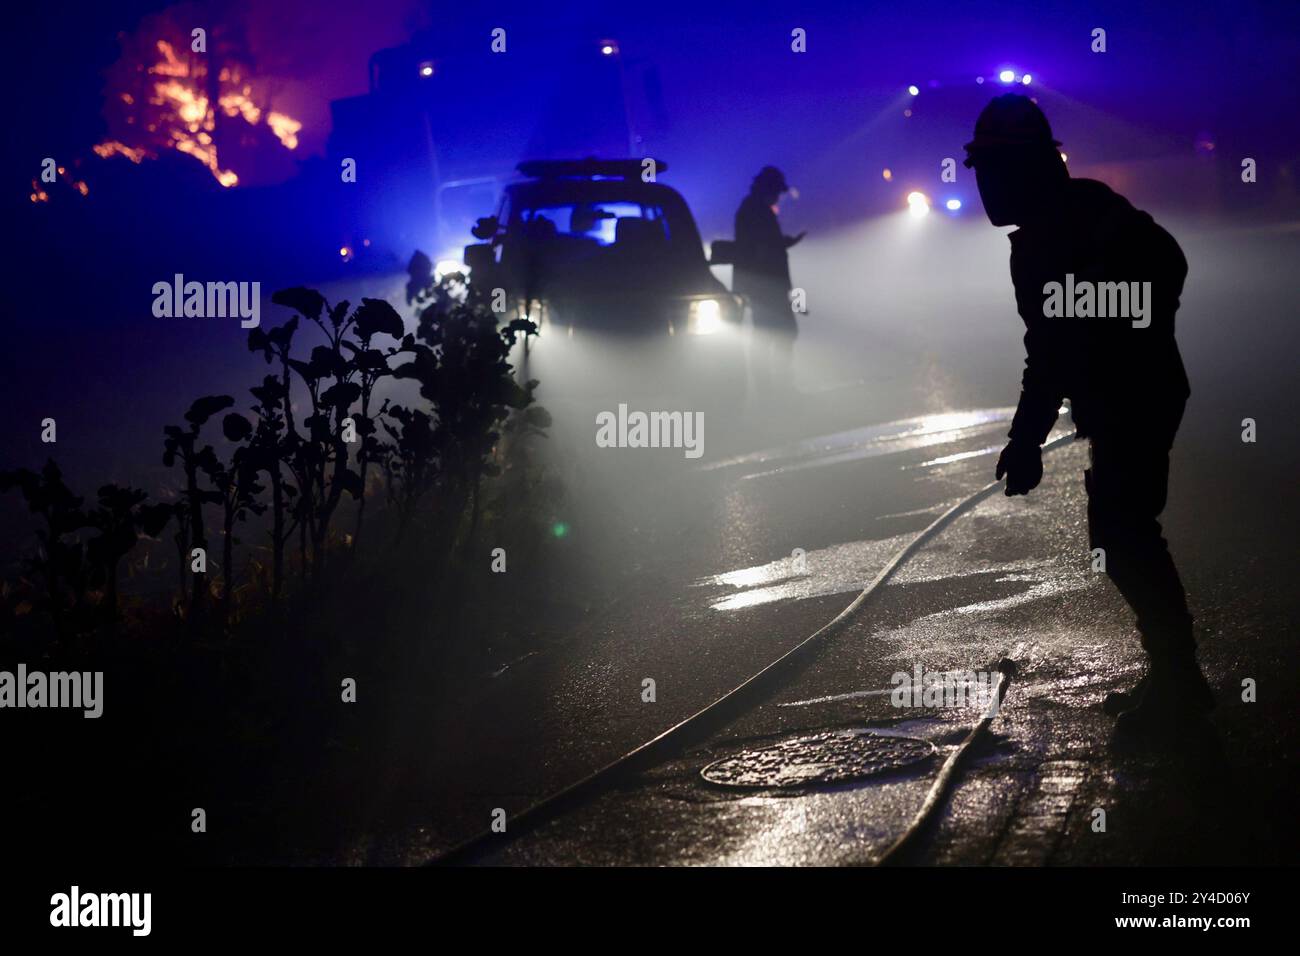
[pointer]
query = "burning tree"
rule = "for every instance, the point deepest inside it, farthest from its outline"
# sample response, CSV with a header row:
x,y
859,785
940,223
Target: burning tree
x,y
173,89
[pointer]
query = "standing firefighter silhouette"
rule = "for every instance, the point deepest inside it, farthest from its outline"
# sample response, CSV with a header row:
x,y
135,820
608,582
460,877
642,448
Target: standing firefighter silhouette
x,y
1097,284
762,273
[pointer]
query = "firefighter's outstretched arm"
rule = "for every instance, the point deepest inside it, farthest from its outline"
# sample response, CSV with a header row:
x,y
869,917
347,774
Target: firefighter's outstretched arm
x,y
1040,401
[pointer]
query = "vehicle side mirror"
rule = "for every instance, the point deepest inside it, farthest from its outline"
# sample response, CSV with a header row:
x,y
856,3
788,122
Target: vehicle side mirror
x,y
486,228
722,252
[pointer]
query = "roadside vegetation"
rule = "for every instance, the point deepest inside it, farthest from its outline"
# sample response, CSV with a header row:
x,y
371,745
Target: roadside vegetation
x,y
319,531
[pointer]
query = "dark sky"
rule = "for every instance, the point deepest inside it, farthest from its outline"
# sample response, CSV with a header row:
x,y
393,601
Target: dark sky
x,y
1221,64
734,94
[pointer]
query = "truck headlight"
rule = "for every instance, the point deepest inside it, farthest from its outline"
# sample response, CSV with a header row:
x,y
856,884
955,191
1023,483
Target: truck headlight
x,y
705,317
446,267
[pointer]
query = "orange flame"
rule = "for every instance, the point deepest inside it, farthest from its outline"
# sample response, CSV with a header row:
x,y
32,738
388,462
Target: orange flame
x,y
177,111
39,193
285,128
114,147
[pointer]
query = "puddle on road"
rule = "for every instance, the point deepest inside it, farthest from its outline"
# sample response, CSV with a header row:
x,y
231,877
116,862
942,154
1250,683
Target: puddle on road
x,y
820,760
844,568
872,441
949,459
1048,583
835,570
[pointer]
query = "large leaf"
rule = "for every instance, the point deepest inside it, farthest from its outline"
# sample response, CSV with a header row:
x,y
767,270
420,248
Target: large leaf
x,y
327,362
341,395
204,408
269,393
309,302
338,312
282,335
371,360
375,316
236,426
258,342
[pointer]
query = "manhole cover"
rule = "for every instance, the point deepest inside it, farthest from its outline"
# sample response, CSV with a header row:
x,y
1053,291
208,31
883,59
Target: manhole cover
x,y
824,759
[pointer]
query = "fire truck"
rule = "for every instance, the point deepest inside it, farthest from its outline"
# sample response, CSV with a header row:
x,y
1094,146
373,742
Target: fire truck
x,y
446,122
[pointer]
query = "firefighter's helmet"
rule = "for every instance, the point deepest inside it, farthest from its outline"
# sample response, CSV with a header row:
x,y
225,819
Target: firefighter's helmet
x,y
1010,121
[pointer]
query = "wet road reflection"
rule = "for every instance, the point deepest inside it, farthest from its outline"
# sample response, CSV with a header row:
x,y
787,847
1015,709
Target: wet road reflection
x,y
835,570
890,438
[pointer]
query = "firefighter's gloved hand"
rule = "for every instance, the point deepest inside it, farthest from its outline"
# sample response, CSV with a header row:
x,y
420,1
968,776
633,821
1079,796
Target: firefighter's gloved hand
x,y
1022,463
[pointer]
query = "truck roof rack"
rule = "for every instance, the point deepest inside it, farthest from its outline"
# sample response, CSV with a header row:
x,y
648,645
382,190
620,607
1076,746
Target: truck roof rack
x,y
589,168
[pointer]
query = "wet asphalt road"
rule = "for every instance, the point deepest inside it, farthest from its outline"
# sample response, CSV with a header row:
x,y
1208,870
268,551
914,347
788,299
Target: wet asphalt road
x,y
1031,796
692,562
1009,578
936,614
699,556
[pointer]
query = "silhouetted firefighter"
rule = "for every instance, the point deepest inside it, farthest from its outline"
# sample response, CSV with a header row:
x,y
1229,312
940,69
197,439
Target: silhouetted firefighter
x,y
1122,373
762,274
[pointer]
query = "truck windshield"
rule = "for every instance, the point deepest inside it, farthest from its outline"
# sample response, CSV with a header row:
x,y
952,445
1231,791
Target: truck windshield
x,y
599,223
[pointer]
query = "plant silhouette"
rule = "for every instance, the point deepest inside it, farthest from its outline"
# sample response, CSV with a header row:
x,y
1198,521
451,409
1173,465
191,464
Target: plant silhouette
x,y
181,445
70,566
432,459
461,365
